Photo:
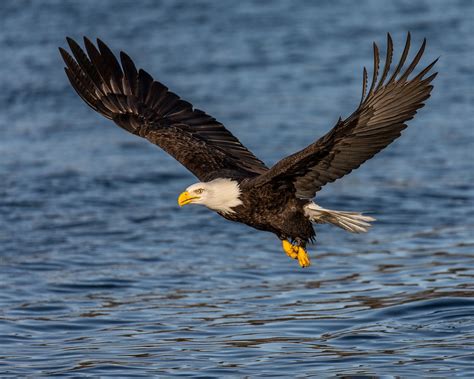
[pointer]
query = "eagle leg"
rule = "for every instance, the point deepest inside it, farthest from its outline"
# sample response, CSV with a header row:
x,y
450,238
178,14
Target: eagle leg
x,y
296,252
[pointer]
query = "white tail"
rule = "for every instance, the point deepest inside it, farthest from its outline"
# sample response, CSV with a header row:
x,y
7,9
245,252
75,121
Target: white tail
x,y
353,222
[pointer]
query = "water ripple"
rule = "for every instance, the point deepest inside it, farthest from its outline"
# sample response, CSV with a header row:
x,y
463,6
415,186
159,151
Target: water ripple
x,y
103,275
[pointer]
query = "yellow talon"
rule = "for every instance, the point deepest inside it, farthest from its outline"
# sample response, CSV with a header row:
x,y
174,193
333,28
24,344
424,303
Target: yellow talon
x,y
303,258
296,252
290,250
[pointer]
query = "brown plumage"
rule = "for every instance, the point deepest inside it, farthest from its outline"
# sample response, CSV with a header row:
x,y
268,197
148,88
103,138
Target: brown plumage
x,y
276,199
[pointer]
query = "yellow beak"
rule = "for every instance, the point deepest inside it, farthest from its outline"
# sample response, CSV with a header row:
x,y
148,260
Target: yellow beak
x,y
186,198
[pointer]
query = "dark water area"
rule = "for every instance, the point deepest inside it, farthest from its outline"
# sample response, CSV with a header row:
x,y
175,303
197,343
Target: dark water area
x,y
101,273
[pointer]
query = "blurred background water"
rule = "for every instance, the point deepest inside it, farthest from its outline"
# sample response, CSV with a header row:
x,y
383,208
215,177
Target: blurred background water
x,y
101,273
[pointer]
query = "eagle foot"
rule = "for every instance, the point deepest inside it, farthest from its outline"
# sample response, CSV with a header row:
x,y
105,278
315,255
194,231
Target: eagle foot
x,y
296,252
290,250
303,258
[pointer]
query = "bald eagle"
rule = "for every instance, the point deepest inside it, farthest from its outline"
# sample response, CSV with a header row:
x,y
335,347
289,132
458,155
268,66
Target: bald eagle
x,y
233,181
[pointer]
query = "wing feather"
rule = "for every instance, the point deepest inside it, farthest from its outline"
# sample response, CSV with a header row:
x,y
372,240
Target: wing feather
x,y
376,69
402,60
388,61
364,86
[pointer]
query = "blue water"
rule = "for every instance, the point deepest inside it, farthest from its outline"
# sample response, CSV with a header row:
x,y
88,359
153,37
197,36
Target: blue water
x,y
101,273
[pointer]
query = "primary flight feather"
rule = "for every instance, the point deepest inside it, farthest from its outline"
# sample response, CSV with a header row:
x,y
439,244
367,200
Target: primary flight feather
x,y
233,181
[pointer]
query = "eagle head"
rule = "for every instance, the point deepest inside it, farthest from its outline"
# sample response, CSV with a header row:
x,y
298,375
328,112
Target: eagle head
x,y
220,195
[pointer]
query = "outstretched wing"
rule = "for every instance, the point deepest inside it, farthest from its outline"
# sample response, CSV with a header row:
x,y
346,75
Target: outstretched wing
x,y
379,119
137,103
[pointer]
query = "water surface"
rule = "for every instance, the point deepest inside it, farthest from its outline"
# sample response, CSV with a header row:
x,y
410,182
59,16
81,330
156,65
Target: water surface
x,y
102,274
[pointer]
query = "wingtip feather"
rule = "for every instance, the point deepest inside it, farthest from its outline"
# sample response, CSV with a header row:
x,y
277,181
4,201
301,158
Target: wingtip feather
x,y
364,85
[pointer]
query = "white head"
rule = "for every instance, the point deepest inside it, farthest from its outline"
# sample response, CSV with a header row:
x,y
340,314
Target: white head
x,y
219,195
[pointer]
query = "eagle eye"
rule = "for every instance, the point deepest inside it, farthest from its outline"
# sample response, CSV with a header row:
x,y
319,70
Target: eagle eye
x,y
199,191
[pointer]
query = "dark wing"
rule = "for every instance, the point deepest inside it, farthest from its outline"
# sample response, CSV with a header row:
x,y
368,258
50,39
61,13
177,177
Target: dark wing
x,y
146,108
379,119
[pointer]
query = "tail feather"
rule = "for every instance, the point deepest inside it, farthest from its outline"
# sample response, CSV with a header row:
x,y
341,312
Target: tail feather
x,y
353,222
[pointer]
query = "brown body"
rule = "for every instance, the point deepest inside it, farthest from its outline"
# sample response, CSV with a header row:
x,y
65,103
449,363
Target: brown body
x,y
283,214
